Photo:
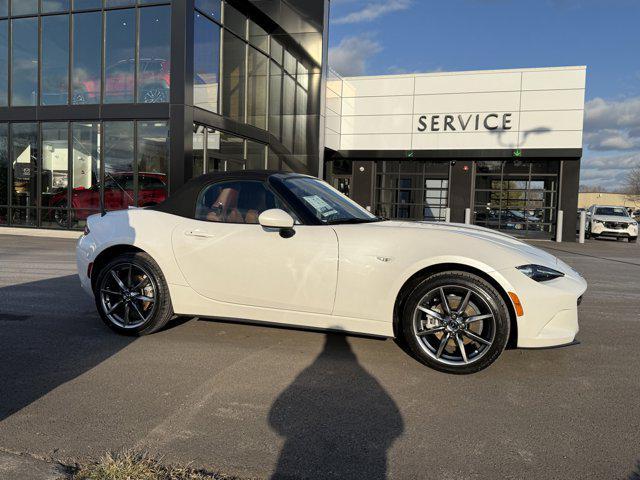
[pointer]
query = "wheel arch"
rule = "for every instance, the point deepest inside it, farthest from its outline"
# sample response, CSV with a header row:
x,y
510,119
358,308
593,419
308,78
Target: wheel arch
x,y
107,254
425,272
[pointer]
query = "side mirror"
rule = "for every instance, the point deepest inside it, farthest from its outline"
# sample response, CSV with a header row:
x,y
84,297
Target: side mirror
x,y
276,218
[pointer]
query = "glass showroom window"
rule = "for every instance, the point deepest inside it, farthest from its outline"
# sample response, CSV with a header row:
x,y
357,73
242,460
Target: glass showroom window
x,y
86,4
153,162
234,77
154,57
24,61
24,7
4,172
118,156
275,100
55,60
85,171
255,156
4,63
206,63
199,136
235,21
257,85
24,164
120,56
87,43
54,183
210,8
54,6
4,8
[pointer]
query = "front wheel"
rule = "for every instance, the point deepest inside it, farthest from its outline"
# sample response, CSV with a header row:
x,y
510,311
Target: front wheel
x,y
456,322
132,296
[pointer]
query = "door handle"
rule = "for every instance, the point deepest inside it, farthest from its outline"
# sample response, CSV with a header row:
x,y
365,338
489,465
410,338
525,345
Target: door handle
x,y
198,233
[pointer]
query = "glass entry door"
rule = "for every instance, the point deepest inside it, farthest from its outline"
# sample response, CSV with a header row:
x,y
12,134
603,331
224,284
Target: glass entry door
x,y
519,197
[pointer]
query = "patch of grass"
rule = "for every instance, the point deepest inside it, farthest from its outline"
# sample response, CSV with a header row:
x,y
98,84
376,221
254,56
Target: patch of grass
x,y
131,465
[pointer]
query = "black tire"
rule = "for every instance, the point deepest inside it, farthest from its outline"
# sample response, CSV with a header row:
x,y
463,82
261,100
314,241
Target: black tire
x,y
633,239
159,311
485,296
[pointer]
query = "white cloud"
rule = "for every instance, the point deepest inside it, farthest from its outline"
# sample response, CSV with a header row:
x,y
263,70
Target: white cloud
x,y
350,56
372,11
609,171
612,124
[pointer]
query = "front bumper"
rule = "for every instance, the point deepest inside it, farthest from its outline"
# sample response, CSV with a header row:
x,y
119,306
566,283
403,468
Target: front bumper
x,y
550,308
601,230
84,257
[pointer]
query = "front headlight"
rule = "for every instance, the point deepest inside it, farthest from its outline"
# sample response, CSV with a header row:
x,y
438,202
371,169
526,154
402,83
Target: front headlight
x,y
634,224
540,273
597,221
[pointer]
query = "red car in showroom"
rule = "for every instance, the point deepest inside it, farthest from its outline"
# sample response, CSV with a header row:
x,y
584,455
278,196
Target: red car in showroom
x,y
154,79
118,195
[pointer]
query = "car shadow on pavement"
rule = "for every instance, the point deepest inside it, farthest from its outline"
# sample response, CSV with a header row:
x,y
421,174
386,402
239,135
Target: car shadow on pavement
x,y
337,420
49,335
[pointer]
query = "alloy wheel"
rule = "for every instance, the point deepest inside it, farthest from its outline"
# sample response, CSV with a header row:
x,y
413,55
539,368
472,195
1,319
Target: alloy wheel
x,y
128,295
454,325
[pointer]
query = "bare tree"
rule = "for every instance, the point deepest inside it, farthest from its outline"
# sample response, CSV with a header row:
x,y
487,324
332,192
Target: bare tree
x,y
633,183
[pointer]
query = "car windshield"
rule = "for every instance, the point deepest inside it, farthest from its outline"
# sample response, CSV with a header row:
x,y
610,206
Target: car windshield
x,y
611,211
327,204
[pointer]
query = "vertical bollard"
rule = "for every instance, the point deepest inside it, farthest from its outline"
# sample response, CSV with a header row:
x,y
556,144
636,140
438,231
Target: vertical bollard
x,y
467,216
447,214
583,225
559,226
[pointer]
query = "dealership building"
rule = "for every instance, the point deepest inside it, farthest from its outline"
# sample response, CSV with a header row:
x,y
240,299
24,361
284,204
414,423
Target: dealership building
x,y
120,102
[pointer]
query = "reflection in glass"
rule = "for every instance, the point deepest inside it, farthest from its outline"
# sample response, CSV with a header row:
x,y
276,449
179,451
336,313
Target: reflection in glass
x,y
4,164
209,7
233,71
235,21
257,84
120,56
85,169
55,60
206,63
118,3
24,61
86,4
258,36
87,45
24,7
118,165
275,100
198,150
50,6
4,8
214,162
4,62
24,164
255,156
153,162
54,179
154,76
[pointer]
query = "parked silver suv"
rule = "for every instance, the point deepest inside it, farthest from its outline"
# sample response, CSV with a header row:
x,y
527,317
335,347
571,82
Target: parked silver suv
x,y
611,221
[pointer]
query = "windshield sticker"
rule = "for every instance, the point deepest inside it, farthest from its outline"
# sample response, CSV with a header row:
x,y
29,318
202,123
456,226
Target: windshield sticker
x,y
322,207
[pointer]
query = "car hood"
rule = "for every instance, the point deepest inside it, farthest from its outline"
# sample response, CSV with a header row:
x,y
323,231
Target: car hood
x,y
498,239
612,218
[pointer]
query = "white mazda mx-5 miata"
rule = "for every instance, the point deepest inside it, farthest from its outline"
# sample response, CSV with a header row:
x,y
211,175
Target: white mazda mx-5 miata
x,y
289,249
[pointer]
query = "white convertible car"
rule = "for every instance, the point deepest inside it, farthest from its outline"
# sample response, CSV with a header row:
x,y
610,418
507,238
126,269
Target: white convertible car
x,y
289,249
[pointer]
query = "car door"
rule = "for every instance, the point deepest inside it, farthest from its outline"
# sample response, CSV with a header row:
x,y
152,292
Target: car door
x,y
226,256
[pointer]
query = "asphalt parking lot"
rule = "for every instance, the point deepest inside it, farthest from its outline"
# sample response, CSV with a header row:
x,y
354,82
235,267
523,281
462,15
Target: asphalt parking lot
x,y
270,402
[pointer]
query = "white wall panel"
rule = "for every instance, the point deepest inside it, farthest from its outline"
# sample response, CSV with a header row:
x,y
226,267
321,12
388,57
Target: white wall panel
x,y
554,79
377,124
377,105
552,139
463,141
465,83
376,142
552,120
383,86
333,123
467,102
553,100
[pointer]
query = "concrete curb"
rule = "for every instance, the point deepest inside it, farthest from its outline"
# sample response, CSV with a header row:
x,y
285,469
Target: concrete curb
x,y
39,232
25,467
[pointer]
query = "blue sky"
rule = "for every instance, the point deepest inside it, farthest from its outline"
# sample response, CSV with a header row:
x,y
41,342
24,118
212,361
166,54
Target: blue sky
x,y
375,37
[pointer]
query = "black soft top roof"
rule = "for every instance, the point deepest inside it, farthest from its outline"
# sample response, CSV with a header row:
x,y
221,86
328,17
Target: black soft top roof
x,y
183,201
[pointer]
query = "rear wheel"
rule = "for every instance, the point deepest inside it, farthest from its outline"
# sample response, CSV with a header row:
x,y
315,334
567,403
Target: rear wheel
x,y
132,296
456,322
